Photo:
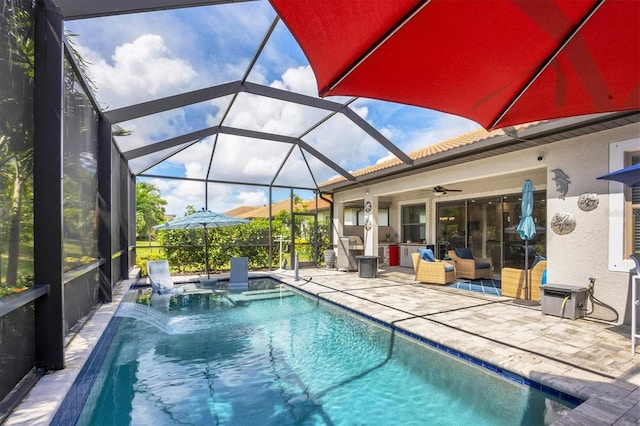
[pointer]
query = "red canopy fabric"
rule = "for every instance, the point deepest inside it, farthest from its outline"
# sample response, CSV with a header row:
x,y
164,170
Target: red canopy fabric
x,y
477,59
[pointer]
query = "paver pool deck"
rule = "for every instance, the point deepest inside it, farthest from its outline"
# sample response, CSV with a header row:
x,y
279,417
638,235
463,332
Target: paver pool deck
x,y
588,359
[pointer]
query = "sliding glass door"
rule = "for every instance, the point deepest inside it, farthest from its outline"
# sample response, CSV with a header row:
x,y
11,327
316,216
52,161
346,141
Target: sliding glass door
x,y
488,227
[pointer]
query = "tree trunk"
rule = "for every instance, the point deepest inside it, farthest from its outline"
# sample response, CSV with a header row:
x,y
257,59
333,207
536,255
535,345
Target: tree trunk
x,y
14,230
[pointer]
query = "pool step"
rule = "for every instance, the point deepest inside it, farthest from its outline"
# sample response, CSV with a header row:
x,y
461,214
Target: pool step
x,y
247,296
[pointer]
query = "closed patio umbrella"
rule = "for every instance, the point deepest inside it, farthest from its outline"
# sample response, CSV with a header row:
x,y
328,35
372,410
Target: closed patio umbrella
x,y
527,230
202,219
499,62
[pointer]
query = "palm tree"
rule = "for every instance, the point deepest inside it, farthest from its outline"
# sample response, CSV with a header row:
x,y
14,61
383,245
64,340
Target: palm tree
x,y
16,126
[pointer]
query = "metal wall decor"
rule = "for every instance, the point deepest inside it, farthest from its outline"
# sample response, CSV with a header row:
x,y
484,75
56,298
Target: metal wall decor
x,y
562,182
367,207
563,223
368,225
588,201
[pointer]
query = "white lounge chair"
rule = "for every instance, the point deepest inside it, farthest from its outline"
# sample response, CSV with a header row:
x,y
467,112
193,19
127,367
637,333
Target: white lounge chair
x,y
160,277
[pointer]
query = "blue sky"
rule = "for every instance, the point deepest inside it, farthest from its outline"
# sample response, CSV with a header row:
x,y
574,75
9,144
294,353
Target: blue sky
x,y
140,57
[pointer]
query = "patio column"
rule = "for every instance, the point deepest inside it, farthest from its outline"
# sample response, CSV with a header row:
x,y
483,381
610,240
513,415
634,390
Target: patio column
x,y
370,224
338,226
128,224
47,182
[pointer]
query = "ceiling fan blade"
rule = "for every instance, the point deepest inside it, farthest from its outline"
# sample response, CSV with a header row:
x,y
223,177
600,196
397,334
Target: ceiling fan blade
x,y
445,190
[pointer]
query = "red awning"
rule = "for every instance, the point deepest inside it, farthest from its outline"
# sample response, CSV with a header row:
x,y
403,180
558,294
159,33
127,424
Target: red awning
x,y
499,62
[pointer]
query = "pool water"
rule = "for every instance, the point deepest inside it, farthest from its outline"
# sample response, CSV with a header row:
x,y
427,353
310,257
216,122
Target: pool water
x,y
294,361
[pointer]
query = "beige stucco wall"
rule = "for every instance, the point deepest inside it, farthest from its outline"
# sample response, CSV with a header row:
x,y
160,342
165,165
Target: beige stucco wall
x,y
586,252
593,249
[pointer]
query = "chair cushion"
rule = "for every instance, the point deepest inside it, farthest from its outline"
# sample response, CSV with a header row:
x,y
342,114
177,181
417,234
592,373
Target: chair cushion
x,y
536,259
482,265
427,254
531,252
464,253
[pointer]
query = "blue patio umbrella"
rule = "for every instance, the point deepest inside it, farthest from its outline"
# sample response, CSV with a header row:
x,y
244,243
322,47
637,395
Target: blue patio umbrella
x,y
202,219
629,175
527,229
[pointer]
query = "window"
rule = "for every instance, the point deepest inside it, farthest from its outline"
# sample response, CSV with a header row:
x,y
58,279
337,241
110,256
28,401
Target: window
x,y
414,218
624,229
354,216
383,216
633,215
351,215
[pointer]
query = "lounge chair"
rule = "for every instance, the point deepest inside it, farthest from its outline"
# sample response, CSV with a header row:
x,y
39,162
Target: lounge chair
x,y
469,267
162,283
239,274
160,276
433,271
512,281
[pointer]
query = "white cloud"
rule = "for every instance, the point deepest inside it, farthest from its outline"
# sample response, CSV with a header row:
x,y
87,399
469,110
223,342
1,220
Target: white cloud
x,y
156,55
253,198
141,69
299,80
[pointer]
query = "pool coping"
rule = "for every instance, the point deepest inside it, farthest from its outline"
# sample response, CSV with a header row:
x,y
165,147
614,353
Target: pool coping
x,y
43,401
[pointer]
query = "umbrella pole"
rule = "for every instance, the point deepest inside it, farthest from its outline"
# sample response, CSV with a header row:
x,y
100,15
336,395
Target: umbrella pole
x,y
206,252
527,293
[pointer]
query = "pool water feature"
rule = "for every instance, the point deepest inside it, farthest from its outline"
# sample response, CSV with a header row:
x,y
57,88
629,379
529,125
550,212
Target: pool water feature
x,y
294,360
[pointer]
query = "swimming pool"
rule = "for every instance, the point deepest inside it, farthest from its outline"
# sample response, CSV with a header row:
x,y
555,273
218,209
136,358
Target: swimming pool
x,y
290,360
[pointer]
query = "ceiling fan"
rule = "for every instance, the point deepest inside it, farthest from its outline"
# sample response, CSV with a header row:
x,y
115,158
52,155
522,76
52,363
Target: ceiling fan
x,y
440,190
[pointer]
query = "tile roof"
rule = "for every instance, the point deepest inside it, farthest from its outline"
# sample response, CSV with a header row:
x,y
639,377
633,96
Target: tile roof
x,y
453,143
238,211
284,205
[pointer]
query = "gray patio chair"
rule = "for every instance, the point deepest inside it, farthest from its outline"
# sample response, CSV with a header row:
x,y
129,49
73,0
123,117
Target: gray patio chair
x,y
239,275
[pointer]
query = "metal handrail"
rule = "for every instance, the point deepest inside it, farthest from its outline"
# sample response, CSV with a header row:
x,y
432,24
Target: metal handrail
x,y
78,272
18,300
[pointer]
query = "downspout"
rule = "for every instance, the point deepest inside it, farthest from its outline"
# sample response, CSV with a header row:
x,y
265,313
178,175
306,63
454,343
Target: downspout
x,y
330,215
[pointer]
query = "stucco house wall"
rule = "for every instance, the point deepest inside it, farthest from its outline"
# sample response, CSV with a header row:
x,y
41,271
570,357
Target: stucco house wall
x,y
594,249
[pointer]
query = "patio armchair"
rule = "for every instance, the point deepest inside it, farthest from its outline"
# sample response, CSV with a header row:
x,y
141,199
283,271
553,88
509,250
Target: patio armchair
x,y
513,282
469,267
433,271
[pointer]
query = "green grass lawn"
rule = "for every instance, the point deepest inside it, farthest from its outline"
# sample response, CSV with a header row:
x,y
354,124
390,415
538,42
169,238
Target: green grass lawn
x,y
25,261
143,251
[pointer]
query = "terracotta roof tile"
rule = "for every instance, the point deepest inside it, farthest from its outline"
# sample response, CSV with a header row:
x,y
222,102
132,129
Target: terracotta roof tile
x,y
284,205
455,142
240,210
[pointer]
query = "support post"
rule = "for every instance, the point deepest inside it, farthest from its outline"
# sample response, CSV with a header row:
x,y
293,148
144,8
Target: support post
x,y
47,182
104,210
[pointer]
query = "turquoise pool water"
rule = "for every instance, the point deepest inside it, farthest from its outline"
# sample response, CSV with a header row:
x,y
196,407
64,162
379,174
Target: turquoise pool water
x,y
293,361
